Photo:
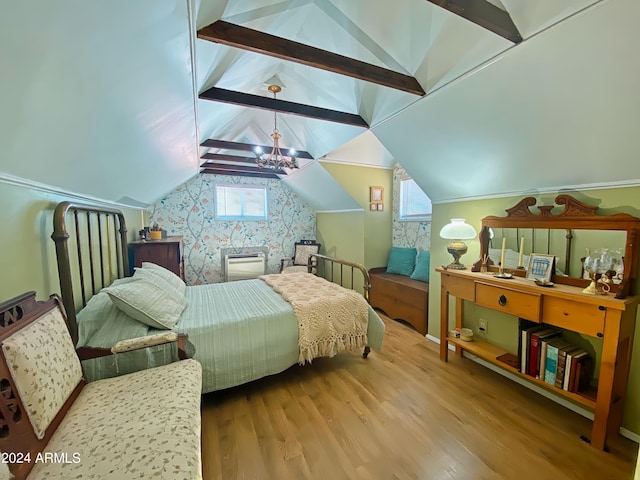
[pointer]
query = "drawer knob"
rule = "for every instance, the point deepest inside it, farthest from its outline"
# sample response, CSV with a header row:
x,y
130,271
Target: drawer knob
x,y
502,300
600,334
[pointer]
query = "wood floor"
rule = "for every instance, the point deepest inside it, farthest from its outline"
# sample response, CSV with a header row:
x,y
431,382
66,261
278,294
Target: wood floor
x,y
400,414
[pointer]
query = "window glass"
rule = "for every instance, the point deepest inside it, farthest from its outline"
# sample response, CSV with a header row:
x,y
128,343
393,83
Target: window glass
x,y
241,202
414,203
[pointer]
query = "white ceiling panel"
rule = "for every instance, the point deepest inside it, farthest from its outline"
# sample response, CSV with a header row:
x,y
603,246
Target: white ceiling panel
x,y
106,90
320,190
558,110
100,96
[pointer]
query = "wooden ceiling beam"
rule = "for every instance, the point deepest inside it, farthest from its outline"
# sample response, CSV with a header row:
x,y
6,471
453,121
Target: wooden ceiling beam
x,y
215,171
243,169
245,38
258,101
228,158
245,147
484,14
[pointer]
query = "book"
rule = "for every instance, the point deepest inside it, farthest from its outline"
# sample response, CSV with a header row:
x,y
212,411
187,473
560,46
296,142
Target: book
x,y
525,336
562,362
543,358
570,368
583,372
552,359
535,349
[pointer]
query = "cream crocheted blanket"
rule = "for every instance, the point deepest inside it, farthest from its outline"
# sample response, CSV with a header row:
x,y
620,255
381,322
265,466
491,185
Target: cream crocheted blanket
x,y
330,318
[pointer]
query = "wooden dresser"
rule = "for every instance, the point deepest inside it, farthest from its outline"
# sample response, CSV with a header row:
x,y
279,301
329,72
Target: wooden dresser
x,y
166,252
565,306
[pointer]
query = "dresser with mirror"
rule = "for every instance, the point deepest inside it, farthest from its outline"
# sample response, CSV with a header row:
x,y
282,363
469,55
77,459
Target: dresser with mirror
x,y
573,234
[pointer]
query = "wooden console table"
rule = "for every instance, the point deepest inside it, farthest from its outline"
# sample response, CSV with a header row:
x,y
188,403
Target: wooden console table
x,y
564,306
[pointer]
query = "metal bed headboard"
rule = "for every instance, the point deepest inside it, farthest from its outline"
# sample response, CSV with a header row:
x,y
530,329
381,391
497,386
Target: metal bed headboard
x,y
98,253
326,268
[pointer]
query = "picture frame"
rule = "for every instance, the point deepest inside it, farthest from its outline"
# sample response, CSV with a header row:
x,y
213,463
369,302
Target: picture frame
x,y
380,207
541,267
376,194
373,207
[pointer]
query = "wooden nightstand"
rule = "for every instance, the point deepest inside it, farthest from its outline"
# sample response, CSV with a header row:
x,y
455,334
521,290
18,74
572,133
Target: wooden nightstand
x,y
166,252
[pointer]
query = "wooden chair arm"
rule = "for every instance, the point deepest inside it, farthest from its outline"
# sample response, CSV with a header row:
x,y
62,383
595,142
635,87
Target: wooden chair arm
x,y
284,262
87,353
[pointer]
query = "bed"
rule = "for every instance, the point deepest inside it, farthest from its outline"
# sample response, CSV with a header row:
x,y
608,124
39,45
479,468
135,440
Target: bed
x,y
234,339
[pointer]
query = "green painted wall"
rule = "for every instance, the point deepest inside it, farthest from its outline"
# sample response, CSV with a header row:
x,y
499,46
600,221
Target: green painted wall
x,y
502,329
342,236
28,260
377,226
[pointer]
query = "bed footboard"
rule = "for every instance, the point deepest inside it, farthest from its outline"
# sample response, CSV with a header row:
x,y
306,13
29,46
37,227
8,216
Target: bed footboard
x,y
341,272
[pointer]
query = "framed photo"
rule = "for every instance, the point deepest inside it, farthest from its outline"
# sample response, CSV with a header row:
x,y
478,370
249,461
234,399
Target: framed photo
x,y
376,194
540,267
380,207
373,206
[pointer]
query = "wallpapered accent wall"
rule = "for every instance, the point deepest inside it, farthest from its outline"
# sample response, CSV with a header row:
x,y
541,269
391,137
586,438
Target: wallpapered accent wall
x,y
407,234
189,211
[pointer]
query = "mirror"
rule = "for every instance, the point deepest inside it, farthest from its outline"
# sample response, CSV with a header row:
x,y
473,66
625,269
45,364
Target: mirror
x,y
578,238
570,247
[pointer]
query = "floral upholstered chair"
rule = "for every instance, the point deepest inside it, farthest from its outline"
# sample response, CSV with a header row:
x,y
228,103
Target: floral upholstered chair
x,y
300,260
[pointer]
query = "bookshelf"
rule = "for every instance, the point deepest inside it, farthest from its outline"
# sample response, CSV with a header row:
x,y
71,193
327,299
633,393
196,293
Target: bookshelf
x,y
493,354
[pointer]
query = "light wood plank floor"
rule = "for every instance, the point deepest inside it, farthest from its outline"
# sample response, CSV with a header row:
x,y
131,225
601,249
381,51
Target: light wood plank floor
x,y
400,414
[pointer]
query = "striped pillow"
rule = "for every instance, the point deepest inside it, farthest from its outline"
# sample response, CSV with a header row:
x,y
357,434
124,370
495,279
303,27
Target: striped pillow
x,y
148,303
167,275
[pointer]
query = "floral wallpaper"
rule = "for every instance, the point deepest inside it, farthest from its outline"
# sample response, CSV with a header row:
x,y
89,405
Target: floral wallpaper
x,y
189,211
407,233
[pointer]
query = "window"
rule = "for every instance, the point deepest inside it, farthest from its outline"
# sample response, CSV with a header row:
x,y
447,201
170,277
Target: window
x,y
414,203
235,202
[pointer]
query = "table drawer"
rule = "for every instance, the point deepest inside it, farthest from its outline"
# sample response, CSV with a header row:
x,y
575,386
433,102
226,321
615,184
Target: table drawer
x,y
523,305
459,287
579,317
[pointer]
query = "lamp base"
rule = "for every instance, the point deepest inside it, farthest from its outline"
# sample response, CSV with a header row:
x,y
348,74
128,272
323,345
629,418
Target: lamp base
x,y
456,249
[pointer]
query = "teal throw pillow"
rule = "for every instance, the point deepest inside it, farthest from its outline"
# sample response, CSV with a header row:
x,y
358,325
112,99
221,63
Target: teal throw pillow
x,y
421,271
402,261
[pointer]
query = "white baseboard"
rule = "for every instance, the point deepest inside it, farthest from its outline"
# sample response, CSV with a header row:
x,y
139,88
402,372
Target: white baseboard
x,y
532,386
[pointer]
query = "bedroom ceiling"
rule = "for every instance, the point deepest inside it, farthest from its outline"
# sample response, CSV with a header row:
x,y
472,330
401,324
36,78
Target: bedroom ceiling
x,y
109,91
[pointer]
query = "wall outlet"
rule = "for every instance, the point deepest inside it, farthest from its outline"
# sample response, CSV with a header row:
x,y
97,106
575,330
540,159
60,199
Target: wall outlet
x,y
483,326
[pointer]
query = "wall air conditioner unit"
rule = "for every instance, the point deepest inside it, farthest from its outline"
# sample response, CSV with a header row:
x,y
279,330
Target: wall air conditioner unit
x,y
242,267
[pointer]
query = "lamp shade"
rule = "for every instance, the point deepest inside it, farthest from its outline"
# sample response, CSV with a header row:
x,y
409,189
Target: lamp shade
x,y
457,230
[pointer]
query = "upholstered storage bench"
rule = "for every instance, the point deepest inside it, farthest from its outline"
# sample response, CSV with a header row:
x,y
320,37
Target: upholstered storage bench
x,y
53,425
400,297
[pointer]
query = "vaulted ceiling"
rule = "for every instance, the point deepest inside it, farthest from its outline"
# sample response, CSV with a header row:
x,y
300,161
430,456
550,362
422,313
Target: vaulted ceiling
x,y
122,91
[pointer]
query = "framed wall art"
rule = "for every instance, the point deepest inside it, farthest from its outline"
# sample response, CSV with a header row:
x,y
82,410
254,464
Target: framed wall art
x,y
540,267
376,198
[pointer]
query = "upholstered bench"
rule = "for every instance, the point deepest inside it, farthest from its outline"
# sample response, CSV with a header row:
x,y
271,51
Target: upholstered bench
x,y
53,425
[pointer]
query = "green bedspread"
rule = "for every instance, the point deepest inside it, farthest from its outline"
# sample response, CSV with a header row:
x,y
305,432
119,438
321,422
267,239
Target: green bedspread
x,y
241,331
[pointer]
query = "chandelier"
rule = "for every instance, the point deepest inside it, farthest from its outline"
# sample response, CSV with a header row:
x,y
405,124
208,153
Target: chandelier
x,y
275,159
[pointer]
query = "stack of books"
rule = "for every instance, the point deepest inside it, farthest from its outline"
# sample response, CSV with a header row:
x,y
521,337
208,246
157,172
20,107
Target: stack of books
x,y
545,355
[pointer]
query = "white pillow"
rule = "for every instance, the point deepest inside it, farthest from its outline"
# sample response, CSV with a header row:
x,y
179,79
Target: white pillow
x,y
148,303
510,258
151,276
167,275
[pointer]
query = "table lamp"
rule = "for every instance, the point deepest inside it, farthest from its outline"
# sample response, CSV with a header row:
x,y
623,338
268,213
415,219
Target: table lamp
x,y
457,231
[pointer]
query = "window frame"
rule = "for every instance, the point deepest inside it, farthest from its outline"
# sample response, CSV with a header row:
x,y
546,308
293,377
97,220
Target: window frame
x,y
242,216
422,217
